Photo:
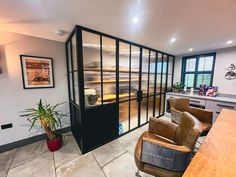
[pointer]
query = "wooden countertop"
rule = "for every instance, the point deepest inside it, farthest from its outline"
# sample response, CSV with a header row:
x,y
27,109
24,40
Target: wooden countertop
x,y
217,155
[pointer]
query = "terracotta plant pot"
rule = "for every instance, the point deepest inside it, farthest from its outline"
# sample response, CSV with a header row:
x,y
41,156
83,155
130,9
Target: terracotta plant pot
x,y
54,145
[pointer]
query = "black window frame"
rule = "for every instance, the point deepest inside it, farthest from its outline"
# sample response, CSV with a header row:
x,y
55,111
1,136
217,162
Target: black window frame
x,y
196,72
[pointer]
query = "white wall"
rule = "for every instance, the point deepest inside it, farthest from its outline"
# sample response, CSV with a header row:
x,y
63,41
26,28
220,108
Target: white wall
x,y
13,98
224,57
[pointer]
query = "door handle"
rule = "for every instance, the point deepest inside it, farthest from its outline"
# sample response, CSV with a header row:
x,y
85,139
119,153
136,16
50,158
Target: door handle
x,y
139,95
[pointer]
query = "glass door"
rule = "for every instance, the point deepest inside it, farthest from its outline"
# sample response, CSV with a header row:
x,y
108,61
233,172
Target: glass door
x,y
129,61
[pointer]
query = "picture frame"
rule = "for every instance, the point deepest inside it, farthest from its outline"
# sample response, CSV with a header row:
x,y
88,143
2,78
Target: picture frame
x,y
37,72
2,63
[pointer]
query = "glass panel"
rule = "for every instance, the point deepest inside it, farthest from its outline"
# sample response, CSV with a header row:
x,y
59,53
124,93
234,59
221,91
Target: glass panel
x,y
162,103
135,59
164,73
189,80
151,83
133,114
123,117
159,69
92,73
205,63
145,66
74,52
152,62
190,64
170,69
124,71
150,106
143,116
152,73
71,86
76,87
109,68
203,79
69,56
157,106
145,84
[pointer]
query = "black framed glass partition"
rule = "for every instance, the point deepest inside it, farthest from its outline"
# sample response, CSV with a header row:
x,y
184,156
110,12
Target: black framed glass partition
x,y
114,85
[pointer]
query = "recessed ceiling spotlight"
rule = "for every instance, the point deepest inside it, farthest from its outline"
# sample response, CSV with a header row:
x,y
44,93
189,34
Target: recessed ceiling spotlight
x,y
60,32
190,49
135,19
173,40
229,42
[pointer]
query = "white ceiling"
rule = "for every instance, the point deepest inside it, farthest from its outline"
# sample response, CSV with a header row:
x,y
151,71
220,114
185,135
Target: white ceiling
x,y
198,24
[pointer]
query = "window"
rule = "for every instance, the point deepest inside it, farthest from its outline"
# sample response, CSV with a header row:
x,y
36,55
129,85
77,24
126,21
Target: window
x,y
198,69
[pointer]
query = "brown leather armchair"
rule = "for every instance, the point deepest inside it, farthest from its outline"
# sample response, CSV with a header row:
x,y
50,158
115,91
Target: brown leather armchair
x,y
166,148
180,105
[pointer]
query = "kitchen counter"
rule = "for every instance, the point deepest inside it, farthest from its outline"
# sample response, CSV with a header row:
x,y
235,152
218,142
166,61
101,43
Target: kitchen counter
x,y
217,98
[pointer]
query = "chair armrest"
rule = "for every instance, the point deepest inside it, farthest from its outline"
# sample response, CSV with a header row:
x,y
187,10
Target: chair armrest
x,y
202,114
176,115
162,128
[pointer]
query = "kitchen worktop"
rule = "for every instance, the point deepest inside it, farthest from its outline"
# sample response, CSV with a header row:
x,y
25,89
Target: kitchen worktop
x,y
217,98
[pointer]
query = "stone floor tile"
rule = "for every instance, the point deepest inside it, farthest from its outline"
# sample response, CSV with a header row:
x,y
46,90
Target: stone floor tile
x,y
84,166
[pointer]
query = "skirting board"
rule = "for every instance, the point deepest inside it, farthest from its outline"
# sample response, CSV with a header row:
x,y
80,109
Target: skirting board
x,y
30,140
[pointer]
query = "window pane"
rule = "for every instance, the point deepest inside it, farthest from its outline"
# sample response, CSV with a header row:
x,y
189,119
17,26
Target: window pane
x,y
76,87
69,56
203,79
158,76
190,64
109,68
150,106
71,86
189,80
124,71
123,117
157,106
164,73
92,68
133,114
205,63
145,66
143,114
74,52
135,58
152,62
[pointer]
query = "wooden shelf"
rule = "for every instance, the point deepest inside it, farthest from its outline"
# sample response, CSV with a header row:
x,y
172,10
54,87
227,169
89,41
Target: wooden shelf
x,y
110,97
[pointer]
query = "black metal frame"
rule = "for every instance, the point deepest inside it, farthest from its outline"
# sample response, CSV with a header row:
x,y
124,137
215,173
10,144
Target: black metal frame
x,y
80,71
196,72
23,71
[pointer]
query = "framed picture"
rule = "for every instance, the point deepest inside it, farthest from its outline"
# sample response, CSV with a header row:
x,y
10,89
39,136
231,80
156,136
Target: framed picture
x,y
2,63
37,72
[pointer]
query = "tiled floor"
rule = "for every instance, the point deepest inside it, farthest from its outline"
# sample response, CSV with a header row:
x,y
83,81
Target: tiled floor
x,y
114,159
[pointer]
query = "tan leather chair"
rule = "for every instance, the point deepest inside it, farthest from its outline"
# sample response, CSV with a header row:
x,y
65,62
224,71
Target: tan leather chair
x,y
180,105
166,148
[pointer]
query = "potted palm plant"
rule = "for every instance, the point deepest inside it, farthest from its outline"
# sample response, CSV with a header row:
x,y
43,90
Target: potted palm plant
x,y
49,118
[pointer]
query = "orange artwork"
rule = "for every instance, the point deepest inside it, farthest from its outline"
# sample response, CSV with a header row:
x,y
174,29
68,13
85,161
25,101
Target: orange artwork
x,y
37,72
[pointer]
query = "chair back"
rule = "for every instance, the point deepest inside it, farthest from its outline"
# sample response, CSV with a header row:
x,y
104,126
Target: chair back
x,y
180,104
188,131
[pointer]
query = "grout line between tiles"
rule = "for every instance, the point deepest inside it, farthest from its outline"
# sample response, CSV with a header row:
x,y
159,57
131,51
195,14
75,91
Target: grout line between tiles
x,y
11,162
31,159
99,165
54,164
114,159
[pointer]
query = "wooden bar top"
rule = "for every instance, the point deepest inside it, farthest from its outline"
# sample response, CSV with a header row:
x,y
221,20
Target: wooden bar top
x,y
217,155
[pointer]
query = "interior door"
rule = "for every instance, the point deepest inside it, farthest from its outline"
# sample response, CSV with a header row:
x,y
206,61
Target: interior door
x,y
148,76
129,87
